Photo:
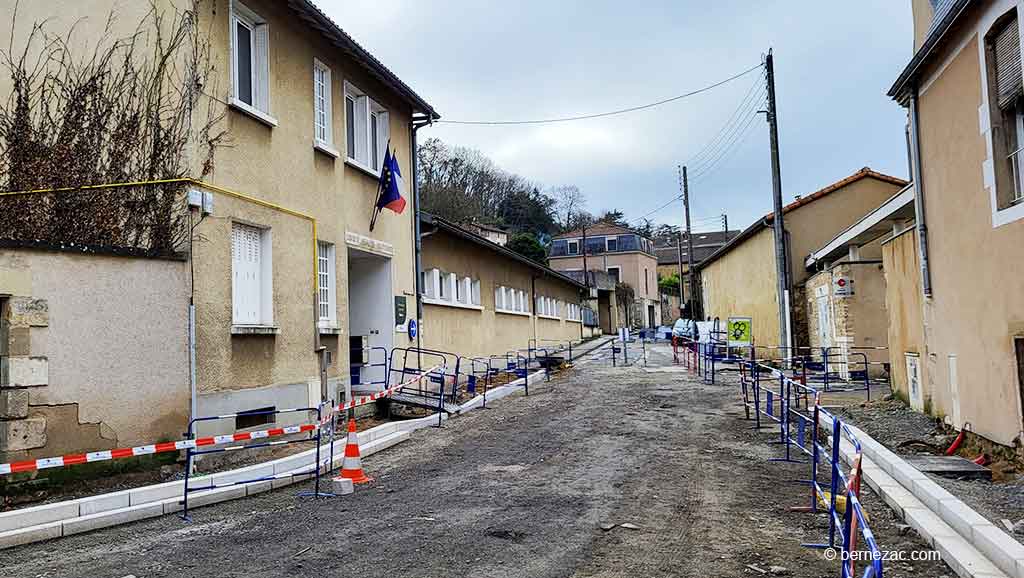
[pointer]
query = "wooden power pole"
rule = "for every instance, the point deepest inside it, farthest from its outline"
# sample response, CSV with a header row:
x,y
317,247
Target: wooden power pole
x,y
691,278
781,258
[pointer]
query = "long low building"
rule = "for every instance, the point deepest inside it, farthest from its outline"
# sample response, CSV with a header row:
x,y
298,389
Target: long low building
x,y
483,299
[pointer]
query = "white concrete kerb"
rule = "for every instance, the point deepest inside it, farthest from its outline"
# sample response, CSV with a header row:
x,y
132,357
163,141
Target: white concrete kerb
x,y
970,544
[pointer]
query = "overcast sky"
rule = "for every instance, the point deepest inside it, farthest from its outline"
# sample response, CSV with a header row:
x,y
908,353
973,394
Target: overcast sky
x,y
529,59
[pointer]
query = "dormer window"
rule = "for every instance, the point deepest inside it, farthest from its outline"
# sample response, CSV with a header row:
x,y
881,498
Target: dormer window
x,y
612,244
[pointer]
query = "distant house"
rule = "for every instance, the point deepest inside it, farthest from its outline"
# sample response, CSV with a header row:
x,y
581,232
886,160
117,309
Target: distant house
x,y
956,293
740,279
668,254
493,234
625,255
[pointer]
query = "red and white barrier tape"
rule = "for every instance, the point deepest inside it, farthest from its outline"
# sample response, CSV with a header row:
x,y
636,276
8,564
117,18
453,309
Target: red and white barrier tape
x,y
365,399
101,456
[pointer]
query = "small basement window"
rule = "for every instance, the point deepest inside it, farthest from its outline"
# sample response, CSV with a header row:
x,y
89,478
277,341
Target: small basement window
x,y
254,417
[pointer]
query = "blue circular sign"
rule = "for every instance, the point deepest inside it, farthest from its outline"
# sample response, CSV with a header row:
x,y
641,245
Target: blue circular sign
x,y
412,329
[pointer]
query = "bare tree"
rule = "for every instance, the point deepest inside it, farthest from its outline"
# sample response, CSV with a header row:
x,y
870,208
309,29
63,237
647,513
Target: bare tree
x,y
569,203
624,298
126,111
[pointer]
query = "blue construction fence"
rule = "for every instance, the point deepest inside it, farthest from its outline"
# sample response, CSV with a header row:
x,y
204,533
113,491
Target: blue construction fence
x,y
809,434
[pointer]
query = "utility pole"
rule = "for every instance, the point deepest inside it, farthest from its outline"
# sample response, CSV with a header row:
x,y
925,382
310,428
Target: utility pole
x,y
583,247
689,245
781,260
679,257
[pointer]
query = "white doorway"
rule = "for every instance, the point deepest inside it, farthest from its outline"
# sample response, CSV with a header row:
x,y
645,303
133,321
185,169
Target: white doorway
x,y
371,316
824,321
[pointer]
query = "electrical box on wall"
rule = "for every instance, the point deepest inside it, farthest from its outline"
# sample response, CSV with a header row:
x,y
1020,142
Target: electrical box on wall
x,y
202,200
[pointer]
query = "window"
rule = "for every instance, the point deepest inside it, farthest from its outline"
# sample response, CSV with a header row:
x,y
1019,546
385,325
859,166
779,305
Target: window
x,y
615,274
509,300
1006,109
366,129
326,284
250,62
322,126
499,298
611,244
573,312
647,282
445,291
574,248
254,417
431,283
443,288
250,275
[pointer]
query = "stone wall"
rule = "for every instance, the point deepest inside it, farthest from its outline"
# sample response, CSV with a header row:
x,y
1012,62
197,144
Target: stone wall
x,y
94,352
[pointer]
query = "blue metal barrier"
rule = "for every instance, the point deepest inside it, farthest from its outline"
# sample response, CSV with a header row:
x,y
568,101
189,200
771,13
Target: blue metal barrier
x,y
845,524
192,452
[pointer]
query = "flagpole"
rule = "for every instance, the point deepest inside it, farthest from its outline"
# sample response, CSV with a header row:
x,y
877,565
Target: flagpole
x,y
380,189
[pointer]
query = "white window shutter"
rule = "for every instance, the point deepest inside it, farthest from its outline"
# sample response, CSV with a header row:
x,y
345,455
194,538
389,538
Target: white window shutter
x,y
261,58
246,260
476,292
362,125
383,133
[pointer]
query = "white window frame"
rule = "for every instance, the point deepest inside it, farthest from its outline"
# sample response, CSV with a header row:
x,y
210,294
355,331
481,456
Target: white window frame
x,y
618,271
259,35
568,247
252,285
460,292
511,301
608,241
446,287
327,284
1013,212
431,283
368,116
323,109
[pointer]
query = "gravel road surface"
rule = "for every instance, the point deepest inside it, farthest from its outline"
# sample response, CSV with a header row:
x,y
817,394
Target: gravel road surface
x,y
527,488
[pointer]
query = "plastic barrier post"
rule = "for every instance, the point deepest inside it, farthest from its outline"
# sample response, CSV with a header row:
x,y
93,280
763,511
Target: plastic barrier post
x,y
757,398
834,484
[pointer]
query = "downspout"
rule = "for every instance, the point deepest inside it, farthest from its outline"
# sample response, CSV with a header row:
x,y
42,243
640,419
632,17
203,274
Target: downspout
x,y
919,214
417,232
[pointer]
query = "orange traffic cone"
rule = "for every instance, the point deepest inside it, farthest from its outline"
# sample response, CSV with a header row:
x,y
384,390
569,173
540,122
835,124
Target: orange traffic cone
x,y
352,467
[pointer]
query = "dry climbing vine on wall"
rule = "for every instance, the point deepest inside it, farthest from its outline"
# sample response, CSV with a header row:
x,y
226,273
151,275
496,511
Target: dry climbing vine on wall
x,y
130,109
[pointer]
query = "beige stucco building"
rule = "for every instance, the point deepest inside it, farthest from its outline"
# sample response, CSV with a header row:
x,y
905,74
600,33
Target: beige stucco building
x,y
846,295
481,299
740,279
625,255
281,259
956,296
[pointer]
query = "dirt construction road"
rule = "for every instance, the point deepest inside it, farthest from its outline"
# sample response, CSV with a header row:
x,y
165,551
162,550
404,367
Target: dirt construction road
x,y
521,489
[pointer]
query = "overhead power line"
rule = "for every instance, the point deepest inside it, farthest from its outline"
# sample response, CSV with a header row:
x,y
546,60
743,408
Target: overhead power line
x,y
753,97
609,113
